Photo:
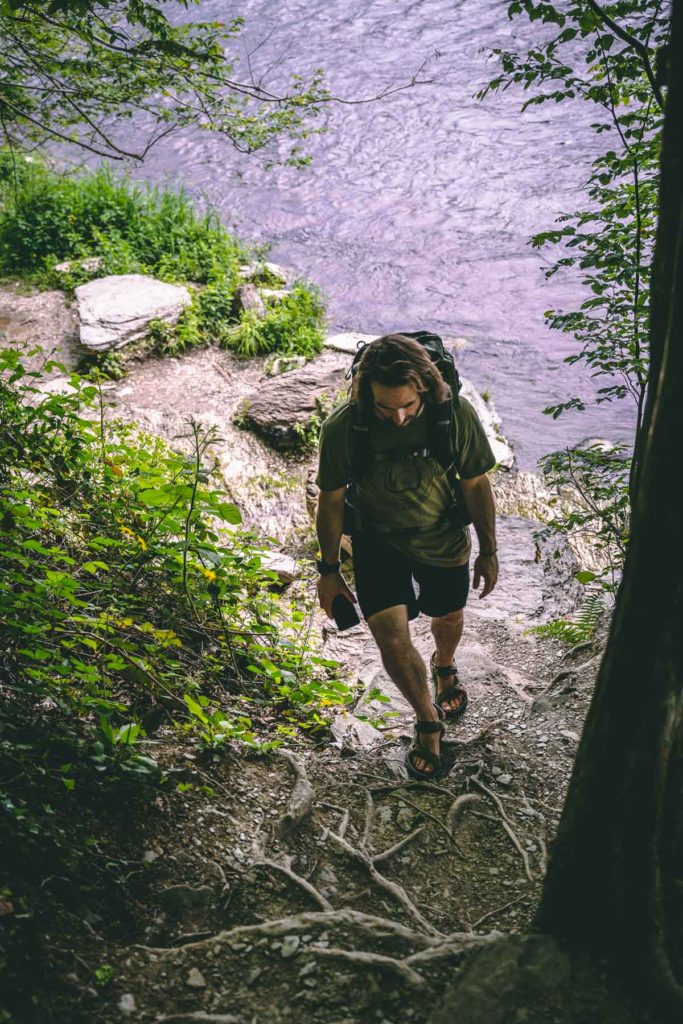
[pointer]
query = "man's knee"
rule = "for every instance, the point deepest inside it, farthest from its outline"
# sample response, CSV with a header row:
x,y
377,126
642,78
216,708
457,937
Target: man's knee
x,y
390,630
451,619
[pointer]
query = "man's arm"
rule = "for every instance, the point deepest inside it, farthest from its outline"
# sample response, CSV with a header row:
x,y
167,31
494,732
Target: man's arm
x,y
480,505
329,524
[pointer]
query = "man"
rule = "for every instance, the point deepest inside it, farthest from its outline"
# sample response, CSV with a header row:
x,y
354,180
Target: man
x,y
404,528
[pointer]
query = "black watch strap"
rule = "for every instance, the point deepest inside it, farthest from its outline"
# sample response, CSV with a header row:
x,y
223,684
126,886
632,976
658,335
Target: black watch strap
x,y
327,568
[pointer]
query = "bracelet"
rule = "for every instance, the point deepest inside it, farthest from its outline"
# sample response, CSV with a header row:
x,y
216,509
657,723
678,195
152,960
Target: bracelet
x,y
488,554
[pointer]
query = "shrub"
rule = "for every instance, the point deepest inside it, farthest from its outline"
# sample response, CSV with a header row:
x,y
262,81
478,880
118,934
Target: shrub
x,y
48,217
129,597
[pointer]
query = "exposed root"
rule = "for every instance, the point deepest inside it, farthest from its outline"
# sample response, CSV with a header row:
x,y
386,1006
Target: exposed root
x,y
379,858
393,888
302,883
198,1015
497,910
455,811
480,735
370,924
506,823
428,814
302,797
356,956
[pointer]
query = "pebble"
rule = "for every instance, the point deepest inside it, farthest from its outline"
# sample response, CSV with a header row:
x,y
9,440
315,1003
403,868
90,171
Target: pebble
x,y
127,1003
290,946
149,856
195,978
505,780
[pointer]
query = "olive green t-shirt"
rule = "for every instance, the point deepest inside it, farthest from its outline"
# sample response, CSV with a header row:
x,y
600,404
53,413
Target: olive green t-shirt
x,y
403,490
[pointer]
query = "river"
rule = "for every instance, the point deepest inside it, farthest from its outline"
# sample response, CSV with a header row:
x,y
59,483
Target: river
x,y
417,209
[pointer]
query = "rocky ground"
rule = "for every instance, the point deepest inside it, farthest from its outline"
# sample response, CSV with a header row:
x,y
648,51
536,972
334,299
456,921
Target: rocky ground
x,y
319,884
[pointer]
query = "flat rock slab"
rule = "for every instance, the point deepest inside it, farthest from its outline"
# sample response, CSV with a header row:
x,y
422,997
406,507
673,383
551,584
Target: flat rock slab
x,y
280,408
44,319
118,309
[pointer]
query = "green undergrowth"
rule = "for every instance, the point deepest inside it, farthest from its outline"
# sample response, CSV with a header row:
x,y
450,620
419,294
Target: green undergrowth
x,y
578,629
47,218
136,615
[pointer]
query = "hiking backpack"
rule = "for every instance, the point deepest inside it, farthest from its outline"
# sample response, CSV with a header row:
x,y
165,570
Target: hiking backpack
x,y
440,430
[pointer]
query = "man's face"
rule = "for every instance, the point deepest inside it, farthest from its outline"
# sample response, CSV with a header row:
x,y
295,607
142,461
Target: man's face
x,y
399,405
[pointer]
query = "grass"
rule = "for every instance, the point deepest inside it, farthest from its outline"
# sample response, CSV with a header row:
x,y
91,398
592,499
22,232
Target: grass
x,y
48,218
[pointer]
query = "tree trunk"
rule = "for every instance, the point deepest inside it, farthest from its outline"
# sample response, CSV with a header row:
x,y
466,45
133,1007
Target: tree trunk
x,y
615,882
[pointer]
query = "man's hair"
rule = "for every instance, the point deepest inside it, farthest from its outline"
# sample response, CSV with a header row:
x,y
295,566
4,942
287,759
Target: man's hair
x,y
395,360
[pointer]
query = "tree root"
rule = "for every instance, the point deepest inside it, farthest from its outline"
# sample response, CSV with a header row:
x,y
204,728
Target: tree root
x,y
302,797
355,956
371,924
507,824
379,858
457,808
480,735
198,1015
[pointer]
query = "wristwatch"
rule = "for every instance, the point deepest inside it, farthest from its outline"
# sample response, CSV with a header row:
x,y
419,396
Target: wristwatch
x,y
327,568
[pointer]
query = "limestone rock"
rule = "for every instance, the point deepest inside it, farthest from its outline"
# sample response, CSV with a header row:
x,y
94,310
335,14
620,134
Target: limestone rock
x,y
281,408
248,300
287,569
352,735
118,309
90,265
348,342
195,978
490,421
264,271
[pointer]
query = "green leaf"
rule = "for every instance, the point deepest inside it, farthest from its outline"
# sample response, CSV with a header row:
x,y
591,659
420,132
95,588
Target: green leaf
x,y
585,576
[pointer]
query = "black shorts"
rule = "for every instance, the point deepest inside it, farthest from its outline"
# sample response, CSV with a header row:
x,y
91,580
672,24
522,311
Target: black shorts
x,y
384,578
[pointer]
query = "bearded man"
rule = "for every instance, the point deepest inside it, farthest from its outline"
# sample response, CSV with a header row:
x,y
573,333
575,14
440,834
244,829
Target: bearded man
x,y
408,525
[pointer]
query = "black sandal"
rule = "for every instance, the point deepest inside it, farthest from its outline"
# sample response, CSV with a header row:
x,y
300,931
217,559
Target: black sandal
x,y
417,750
455,689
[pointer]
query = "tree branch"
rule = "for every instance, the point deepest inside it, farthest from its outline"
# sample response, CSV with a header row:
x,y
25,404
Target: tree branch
x,y
635,44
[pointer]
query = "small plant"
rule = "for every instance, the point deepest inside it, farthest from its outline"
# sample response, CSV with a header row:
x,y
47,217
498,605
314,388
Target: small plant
x,y
309,432
577,630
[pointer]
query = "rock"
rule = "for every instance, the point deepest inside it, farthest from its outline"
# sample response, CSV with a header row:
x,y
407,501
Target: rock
x,y
570,735
290,946
248,300
90,265
505,779
274,294
118,309
149,856
287,569
353,736
348,342
264,271
283,364
504,974
490,421
127,1003
195,978
281,408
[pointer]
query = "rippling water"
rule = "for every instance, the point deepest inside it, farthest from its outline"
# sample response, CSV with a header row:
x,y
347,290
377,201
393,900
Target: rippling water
x,y
417,210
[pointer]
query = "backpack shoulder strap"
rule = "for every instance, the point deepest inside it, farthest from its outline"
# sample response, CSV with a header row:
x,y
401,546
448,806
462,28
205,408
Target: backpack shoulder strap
x,y
361,455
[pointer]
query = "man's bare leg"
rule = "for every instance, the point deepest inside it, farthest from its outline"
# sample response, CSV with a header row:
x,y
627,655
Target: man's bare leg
x,y
407,670
447,631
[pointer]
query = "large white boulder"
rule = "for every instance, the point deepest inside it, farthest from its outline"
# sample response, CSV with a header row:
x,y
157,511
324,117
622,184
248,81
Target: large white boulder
x,y
118,309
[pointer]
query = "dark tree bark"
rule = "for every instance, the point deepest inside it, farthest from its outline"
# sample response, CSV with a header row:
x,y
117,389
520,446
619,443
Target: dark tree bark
x,y
615,882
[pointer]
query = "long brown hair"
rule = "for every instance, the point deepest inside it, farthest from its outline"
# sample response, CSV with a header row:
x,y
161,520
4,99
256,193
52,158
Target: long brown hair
x,y
395,360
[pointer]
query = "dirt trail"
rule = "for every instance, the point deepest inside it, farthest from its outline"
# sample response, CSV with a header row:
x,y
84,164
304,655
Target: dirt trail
x,y
319,885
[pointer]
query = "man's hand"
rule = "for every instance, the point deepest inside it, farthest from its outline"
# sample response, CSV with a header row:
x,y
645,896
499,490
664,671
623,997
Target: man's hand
x,y
329,586
486,567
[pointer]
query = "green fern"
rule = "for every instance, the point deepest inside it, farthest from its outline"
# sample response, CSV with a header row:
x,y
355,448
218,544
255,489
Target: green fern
x,y
577,630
